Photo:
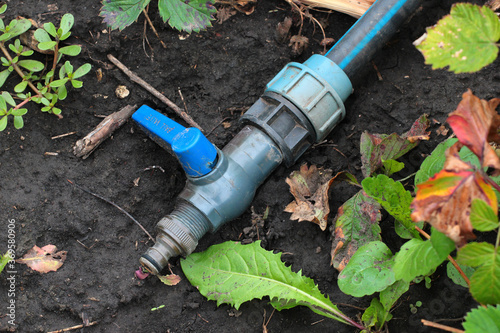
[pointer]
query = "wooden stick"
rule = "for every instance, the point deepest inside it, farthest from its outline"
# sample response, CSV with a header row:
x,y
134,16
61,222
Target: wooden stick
x,y
153,91
74,327
84,147
153,27
353,8
441,327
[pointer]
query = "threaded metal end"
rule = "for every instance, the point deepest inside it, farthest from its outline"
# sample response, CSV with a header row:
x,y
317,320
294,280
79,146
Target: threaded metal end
x,y
178,234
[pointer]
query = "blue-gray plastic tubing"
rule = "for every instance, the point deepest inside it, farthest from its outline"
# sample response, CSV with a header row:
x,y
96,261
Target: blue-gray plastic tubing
x,y
370,33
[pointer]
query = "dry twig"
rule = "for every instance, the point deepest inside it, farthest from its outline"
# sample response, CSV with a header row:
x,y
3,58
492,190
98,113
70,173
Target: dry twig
x,y
84,147
353,8
441,327
74,327
153,91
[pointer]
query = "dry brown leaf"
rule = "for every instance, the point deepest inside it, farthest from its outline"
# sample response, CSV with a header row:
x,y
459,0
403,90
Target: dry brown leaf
x,y
44,259
170,279
225,13
310,186
298,44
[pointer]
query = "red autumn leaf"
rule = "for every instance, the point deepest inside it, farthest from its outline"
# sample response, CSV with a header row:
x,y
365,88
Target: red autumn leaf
x,y
310,186
44,259
475,123
445,199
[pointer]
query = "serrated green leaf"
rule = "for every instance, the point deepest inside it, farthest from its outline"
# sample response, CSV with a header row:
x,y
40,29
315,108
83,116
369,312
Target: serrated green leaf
x,y
31,65
465,40
356,224
72,50
51,29
3,123
483,320
47,45
455,276
435,162
393,197
194,15
475,254
234,273
485,282
3,76
418,257
21,86
119,14
369,270
42,36
18,122
67,22
82,70
482,216
392,166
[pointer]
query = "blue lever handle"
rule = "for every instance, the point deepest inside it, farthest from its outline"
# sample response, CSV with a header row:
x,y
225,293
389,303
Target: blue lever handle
x,y
196,154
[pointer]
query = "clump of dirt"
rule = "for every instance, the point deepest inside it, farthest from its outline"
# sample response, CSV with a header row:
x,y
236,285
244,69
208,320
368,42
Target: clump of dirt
x,y
220,73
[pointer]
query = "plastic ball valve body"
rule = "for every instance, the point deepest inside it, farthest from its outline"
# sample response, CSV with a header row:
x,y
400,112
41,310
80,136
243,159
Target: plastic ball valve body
x,y
300,106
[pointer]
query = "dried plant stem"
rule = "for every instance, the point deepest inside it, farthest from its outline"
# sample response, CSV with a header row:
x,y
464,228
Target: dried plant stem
x,y
441,327
153,27
74,327
355,8
114,205
453,262
153,91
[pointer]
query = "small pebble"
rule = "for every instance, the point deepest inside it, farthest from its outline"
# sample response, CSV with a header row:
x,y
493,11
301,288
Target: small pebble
x,y
121,92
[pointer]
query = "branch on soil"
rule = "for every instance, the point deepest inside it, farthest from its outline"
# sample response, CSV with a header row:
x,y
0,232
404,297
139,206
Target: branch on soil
x,y
84,147
441,327
154,92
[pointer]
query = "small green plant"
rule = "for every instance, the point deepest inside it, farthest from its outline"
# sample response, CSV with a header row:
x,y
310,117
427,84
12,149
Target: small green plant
x,y
4,260
47,86
194,15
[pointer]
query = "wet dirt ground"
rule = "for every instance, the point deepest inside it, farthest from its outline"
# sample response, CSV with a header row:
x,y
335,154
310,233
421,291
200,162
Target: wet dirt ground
x,y
220,73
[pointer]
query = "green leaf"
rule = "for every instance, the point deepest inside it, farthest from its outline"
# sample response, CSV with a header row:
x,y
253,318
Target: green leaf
x,y
483,320
482,216
6,257
374,315
47,45
234,273
21,86
67,22
62,92
455,276
8,98
27,53
56,110
392,166
82,70
119,14
368,271
3,105
391,294
19,112
68,67
464,40
17,27
72,50
31,65
356,224
393,197
476,254
51,29
418,257
3,76
3,8
194,15
435,162
42,36
18,122
58,83
76,84
3,123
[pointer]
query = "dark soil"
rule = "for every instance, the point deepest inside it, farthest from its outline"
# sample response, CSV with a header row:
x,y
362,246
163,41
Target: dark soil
x,y
220,72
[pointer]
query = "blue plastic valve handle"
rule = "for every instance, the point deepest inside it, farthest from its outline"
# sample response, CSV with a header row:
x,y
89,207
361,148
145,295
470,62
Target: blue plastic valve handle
x,y
196,154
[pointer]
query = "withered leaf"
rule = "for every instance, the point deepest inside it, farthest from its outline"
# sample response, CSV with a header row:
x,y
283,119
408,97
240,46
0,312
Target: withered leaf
x,y
298,44
377,148
44,259
445,199
170,279
225,13
356,224
475,123
283,30
310,186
